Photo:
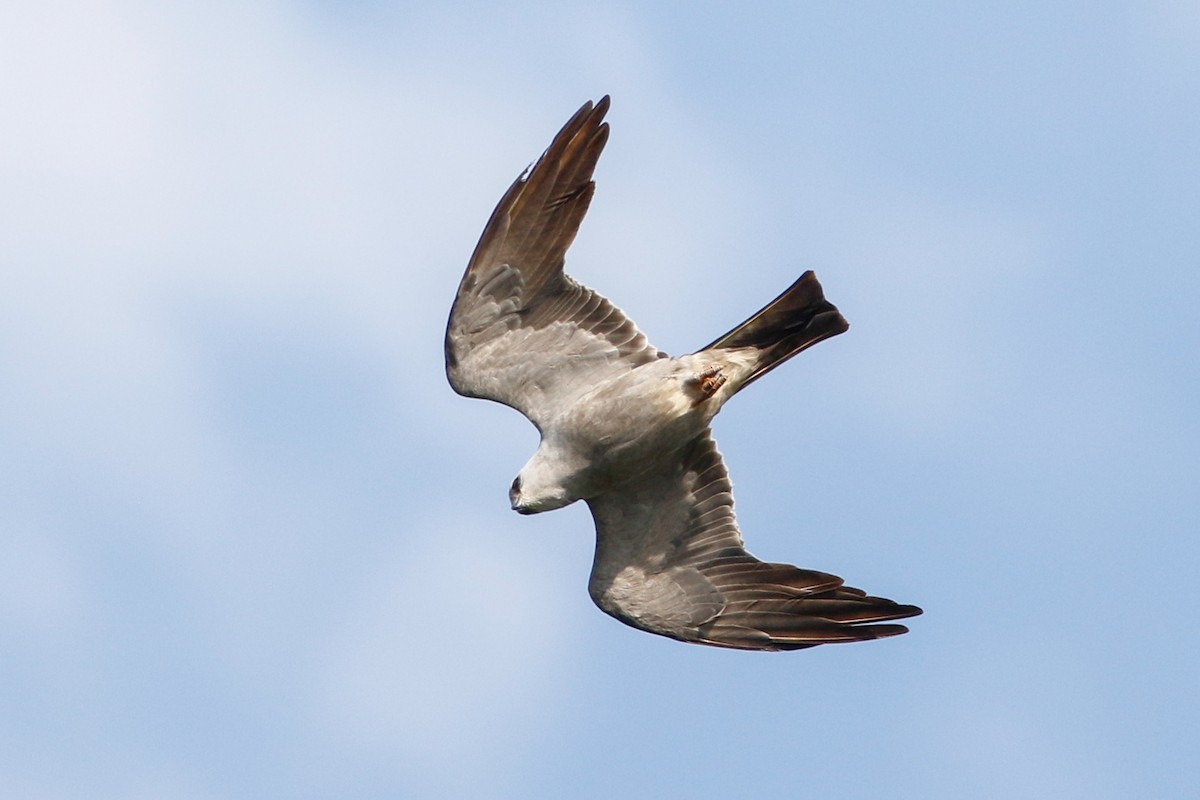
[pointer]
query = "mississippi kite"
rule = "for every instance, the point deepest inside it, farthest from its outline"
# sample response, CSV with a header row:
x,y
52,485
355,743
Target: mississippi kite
x,y
625,428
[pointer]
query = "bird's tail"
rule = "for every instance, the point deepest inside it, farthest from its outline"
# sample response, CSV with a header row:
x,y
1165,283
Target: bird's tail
x,y
794,321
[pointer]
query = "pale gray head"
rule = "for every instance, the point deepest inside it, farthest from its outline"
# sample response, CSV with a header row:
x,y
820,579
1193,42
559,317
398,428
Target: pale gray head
x,y
538,487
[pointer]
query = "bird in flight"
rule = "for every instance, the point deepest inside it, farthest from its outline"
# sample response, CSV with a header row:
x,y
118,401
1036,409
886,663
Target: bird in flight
x,y
625,428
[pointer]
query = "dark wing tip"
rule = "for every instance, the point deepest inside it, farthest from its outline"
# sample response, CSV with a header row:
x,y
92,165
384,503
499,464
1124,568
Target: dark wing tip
x,y
780,607
536,219
906,611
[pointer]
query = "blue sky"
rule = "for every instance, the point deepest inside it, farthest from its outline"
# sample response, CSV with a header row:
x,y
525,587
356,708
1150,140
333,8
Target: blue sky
x,y
251,544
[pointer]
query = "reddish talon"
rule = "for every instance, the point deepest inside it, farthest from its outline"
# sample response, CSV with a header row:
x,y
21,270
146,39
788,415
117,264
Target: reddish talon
x,y
707,383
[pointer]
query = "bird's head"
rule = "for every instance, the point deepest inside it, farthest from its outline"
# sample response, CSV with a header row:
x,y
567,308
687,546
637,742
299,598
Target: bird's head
x,y
533,492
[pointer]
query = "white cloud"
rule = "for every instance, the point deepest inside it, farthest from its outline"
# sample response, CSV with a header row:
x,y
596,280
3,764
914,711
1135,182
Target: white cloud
x,y
189,185
449,655
43,596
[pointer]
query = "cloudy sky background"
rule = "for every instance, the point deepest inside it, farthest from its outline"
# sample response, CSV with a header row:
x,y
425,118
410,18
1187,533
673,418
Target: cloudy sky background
x,y
251,544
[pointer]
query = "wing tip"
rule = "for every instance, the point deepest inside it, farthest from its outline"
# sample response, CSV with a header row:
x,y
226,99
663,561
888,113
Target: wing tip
x,y
733,638
818,620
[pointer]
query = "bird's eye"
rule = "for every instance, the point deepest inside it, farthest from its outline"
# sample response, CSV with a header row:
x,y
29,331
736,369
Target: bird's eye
x,y
516,487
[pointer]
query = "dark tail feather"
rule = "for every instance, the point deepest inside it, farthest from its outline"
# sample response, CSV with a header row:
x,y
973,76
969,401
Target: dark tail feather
x,y
794,321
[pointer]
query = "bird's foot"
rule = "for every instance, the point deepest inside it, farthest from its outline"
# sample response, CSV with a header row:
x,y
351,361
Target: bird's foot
x,y
706,384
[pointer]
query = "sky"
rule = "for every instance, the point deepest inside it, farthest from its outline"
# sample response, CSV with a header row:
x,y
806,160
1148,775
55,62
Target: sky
x,y
252,545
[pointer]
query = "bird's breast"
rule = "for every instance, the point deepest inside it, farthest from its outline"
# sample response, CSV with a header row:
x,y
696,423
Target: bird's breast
x,y
628,423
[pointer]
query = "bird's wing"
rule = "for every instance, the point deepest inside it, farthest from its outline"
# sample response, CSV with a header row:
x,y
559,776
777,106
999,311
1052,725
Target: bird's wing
x,y
521,332
670,560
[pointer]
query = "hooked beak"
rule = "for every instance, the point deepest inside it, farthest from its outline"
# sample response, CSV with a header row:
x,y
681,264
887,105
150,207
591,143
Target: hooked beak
x,y
514,497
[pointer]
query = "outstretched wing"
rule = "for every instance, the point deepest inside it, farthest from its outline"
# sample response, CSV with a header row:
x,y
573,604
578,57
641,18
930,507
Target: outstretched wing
x,y
521,332
670,560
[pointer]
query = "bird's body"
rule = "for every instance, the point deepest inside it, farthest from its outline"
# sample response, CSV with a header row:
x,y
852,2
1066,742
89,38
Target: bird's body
x,y
626,428
623,427
629,423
